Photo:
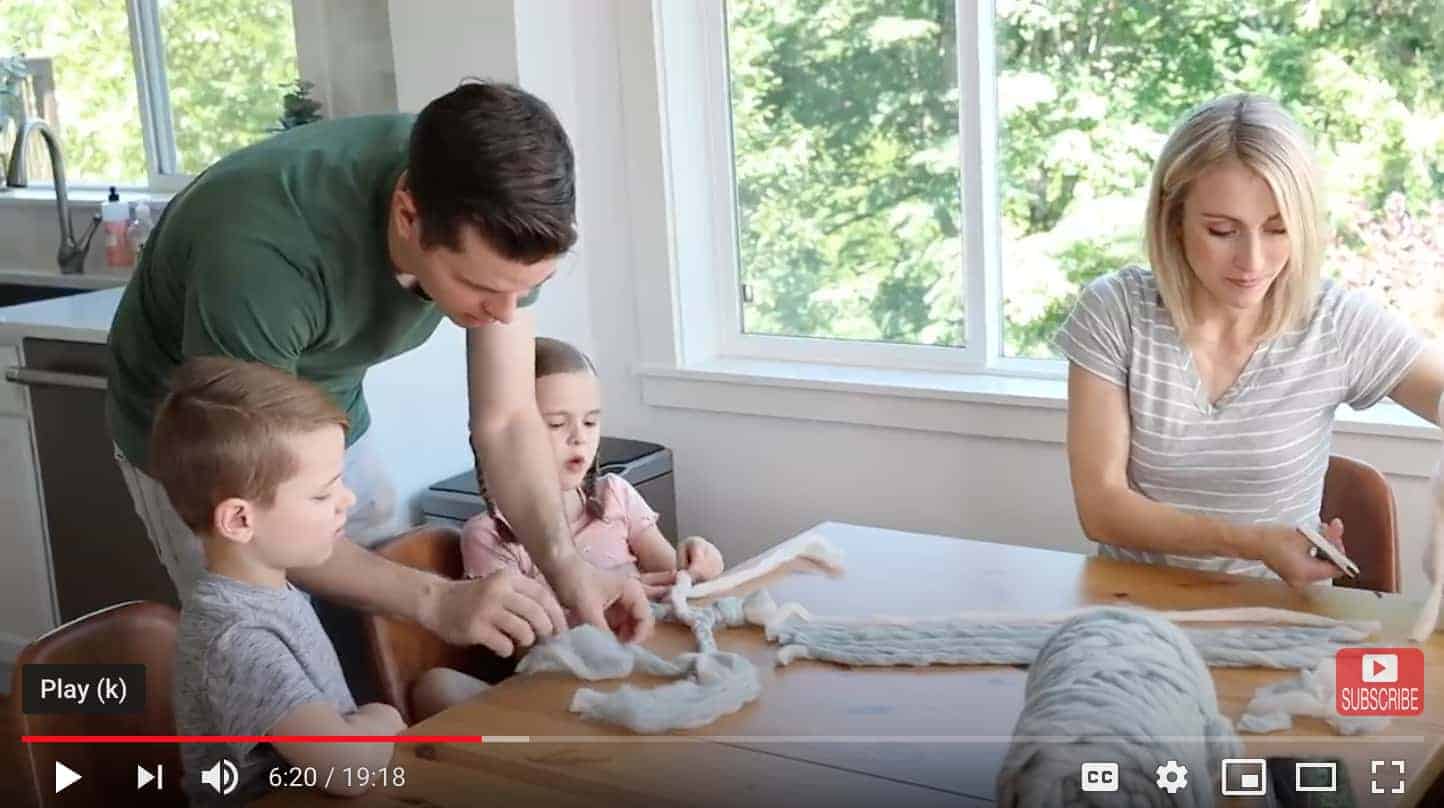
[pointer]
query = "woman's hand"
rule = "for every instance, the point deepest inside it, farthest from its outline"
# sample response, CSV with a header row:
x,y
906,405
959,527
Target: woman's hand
x,y
1287,552
699,558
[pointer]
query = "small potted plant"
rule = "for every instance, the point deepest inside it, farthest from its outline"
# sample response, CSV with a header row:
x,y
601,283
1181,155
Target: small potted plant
x,y
298,108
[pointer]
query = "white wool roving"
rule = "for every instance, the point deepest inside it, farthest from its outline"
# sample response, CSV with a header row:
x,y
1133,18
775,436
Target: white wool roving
x,y
712,683
1311,693
1428,618
1123,686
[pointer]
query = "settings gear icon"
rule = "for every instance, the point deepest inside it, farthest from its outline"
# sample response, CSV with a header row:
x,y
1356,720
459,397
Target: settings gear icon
x,y
1172,778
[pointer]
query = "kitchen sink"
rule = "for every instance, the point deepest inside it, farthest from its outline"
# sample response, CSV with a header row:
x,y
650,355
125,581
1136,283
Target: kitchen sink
x,y
15,293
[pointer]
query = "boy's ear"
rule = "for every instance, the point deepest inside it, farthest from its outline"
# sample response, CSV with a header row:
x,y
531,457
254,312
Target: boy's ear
x,y
234,520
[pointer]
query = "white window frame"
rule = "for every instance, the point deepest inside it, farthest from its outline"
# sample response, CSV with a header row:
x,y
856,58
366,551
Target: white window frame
x,y
157,121
690,72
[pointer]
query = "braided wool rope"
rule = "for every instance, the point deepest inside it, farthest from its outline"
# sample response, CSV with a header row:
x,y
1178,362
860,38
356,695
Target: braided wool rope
x,y
1116,685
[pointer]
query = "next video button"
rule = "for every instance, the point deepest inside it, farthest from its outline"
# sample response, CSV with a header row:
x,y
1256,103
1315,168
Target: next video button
x,y
54,689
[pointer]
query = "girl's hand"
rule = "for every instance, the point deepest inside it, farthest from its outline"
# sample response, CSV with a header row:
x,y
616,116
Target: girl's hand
x,y
699,558
657,584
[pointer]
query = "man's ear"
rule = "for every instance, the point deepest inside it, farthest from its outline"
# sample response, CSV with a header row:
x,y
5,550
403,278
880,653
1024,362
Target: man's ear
x,y
234,520
403,207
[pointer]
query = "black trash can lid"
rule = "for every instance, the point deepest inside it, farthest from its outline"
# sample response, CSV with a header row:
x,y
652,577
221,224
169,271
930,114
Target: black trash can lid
x,y
611,452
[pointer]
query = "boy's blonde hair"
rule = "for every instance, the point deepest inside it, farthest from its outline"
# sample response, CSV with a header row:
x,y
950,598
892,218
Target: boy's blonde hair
x,y
1257,132
221,430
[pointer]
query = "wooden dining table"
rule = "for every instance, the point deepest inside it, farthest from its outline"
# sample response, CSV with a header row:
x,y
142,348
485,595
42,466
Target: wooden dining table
x,y
899,736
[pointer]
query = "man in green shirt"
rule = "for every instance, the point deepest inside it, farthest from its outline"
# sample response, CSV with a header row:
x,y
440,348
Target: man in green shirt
x,y
335,246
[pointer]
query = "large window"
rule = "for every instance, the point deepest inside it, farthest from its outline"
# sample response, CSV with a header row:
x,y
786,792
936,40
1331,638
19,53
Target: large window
x,y
847,187
149,92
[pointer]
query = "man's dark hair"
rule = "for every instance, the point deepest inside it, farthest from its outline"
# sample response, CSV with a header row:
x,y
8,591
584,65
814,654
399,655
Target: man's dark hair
x,y
495,156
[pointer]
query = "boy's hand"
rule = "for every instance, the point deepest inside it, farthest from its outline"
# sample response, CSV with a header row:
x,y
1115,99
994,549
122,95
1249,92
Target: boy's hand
x,y
699,558
503,611
380,717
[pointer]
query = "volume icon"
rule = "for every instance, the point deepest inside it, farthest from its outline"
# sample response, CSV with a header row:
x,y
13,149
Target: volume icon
x,y
222,777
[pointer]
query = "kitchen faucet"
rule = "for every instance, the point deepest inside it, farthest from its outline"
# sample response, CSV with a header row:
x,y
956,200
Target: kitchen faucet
x,y
71,255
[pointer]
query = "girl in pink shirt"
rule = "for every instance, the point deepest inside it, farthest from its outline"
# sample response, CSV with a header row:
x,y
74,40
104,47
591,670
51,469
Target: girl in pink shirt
x,y
612,525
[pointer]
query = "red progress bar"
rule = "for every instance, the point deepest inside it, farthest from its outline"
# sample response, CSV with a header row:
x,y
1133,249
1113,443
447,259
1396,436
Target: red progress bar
x,y
251,739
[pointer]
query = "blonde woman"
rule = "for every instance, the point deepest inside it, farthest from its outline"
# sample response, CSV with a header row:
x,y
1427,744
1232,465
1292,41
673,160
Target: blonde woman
x,y
1202,391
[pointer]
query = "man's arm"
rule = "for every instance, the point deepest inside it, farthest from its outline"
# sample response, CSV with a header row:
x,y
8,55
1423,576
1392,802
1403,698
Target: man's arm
x,y
501,611
508,437
515,461
362,579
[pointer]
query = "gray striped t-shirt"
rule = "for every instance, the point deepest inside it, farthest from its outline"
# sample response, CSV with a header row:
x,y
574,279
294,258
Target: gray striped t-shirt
x,y
1258,453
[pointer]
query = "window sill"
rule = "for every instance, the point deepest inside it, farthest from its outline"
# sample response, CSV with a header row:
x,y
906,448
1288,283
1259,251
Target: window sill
x,y
980,404
45,195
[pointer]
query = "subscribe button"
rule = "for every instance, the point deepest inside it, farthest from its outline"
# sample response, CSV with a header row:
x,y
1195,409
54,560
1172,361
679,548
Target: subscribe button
x,y
1379,681
53,689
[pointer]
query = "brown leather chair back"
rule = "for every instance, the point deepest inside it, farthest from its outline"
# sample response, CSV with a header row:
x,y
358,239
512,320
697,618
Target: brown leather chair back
x,y
138,632
401,650
1357,493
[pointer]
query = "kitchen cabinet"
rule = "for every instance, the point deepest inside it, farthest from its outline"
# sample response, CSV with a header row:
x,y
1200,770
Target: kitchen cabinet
x,y
26,604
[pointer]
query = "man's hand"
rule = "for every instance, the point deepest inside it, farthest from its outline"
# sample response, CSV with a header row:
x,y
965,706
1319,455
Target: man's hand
x,y
503,611
603,598
699,558
1286,552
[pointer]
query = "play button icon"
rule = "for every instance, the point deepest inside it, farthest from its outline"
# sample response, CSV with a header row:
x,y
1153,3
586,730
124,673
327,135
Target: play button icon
x,y
64,777
1381,668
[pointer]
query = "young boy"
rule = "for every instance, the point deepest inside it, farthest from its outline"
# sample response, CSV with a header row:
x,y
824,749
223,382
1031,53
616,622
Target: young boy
x,y
251,459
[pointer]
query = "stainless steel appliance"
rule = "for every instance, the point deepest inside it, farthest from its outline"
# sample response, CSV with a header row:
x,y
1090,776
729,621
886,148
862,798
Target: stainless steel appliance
x,y
99,551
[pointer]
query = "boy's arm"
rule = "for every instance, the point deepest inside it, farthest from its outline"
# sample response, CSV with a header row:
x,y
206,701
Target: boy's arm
x,y
321,718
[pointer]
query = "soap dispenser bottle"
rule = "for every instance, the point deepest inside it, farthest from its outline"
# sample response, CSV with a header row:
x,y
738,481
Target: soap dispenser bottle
x,y
114,215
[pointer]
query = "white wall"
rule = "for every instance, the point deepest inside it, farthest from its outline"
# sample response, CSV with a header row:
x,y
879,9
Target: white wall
x,y
344,47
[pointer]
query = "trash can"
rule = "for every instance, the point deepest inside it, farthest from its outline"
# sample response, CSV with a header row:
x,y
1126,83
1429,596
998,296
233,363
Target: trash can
x,y
647,466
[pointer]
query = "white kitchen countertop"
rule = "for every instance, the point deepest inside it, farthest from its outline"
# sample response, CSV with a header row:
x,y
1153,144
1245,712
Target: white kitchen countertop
x,y
82,318
107,279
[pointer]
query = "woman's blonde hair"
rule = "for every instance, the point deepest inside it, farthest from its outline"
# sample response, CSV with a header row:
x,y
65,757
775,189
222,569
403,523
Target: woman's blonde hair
x,y
1257,132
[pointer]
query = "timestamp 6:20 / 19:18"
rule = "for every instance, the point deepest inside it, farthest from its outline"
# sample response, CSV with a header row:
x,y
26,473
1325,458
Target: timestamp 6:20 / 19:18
x,y
357,777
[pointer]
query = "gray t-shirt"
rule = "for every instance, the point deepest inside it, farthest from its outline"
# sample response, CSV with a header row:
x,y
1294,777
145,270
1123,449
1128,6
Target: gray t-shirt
x,y
246,656
1258,453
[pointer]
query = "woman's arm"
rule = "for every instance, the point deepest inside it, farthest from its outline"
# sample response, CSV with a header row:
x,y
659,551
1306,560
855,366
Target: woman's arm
x,y
1422,385
1099,433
